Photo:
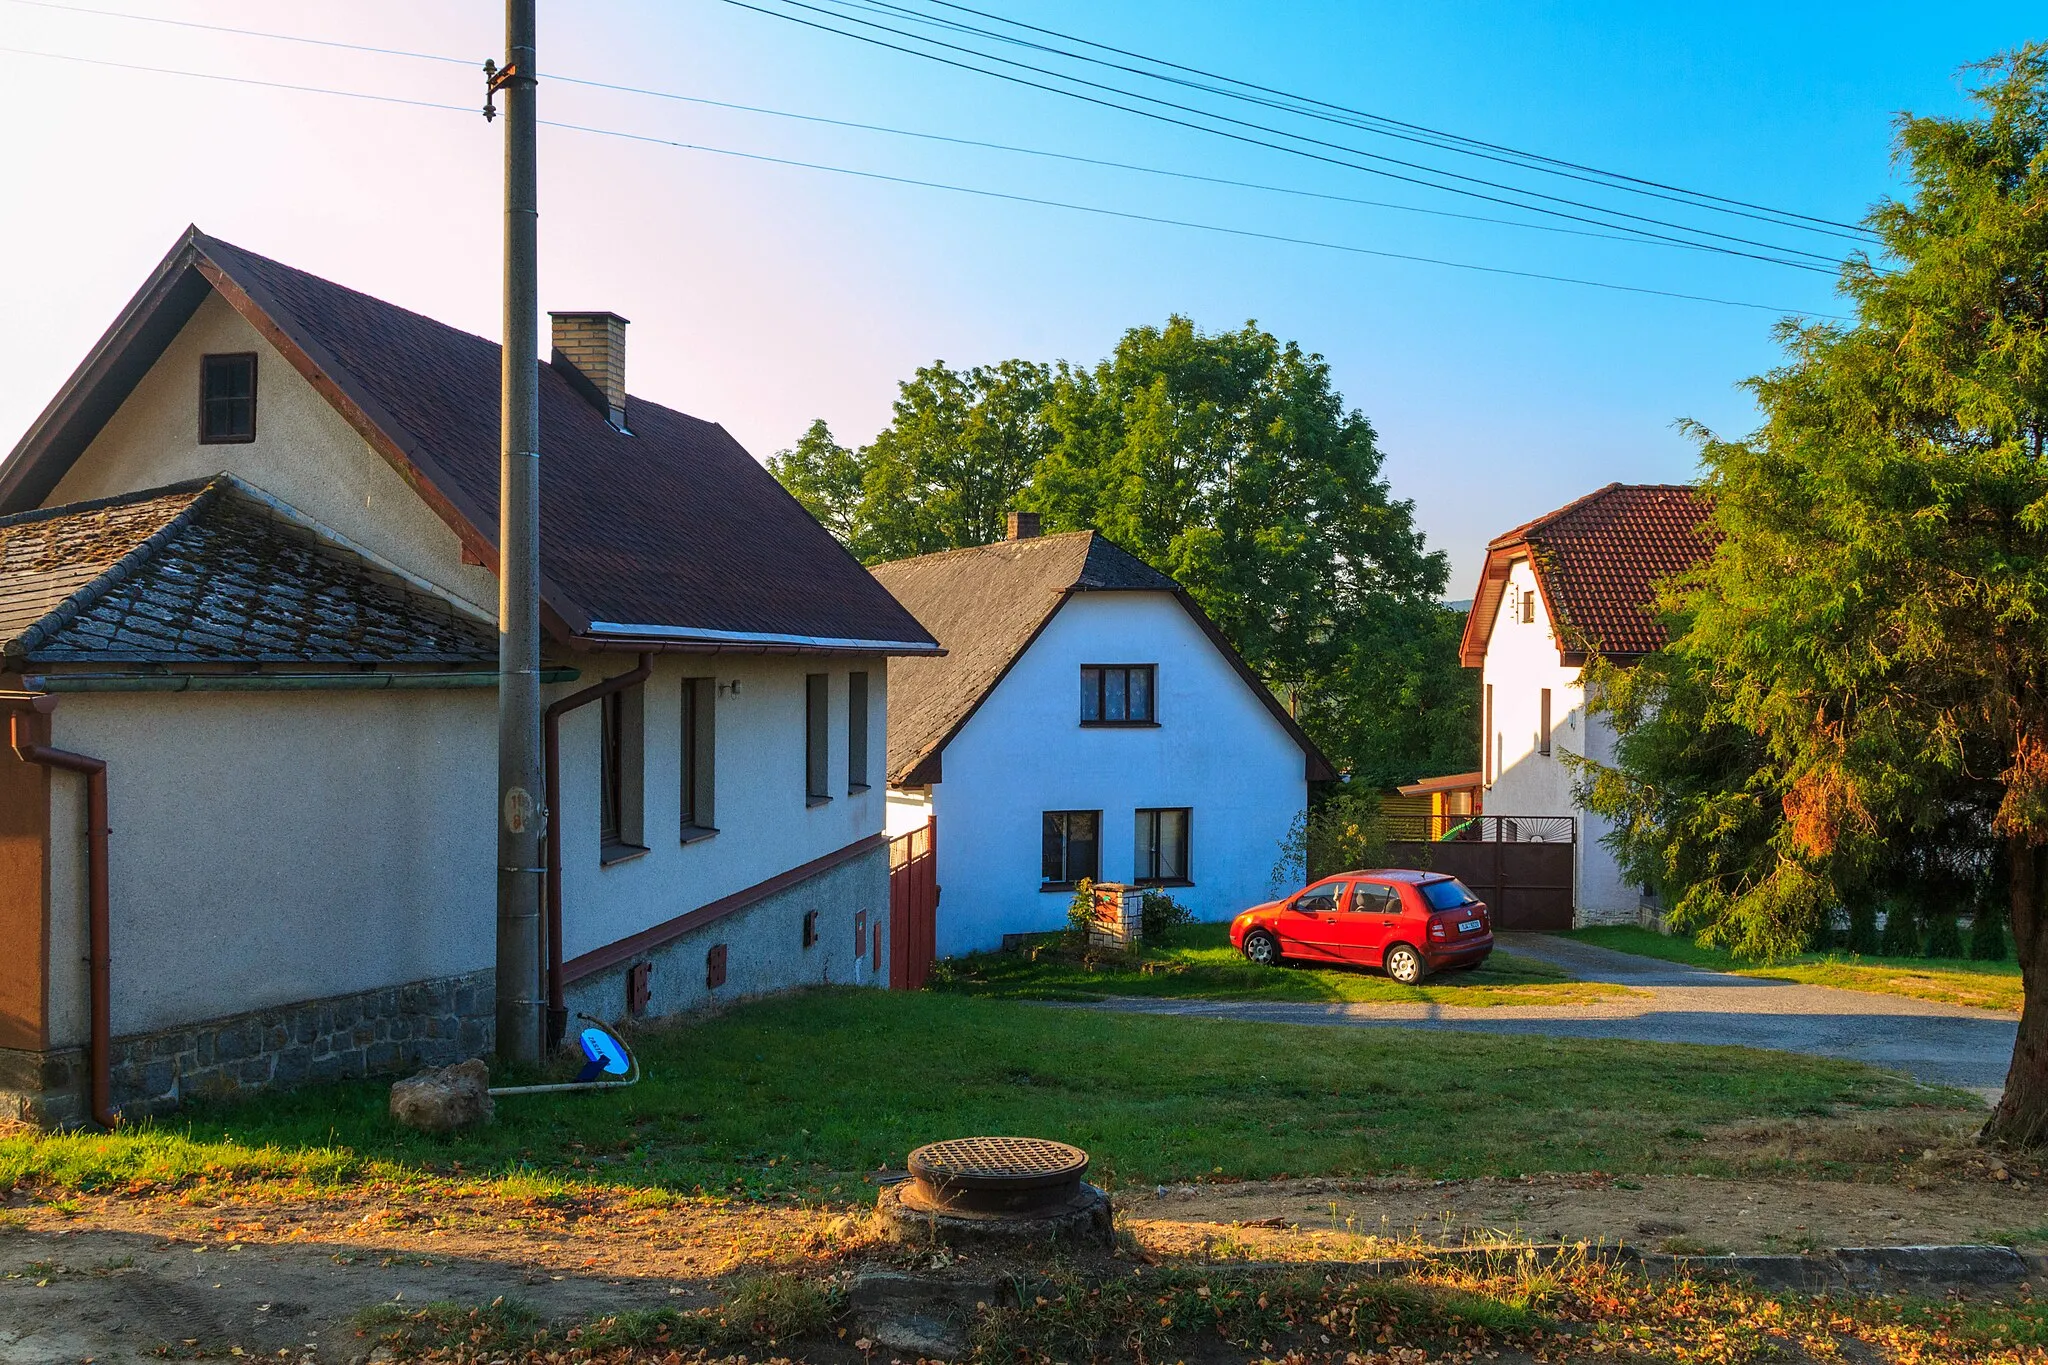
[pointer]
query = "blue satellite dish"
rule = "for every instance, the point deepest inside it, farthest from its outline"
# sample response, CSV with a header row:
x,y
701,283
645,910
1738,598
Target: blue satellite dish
x,y
605,1053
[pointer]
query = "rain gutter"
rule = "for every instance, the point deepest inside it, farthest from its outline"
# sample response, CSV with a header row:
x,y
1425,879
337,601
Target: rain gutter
x,y
275,682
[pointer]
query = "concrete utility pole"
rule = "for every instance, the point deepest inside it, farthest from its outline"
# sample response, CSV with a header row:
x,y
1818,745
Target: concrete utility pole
x,y
520,995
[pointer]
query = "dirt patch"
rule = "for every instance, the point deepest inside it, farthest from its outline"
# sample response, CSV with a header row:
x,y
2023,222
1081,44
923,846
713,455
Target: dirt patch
x,y
1689,1214
282,1271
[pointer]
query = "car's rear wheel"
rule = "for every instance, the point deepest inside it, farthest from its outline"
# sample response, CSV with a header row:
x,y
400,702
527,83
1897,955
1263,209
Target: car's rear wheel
x,y
1262,948
1405,965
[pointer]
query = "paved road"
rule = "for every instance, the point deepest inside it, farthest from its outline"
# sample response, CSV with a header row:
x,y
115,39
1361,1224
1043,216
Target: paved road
x,y
1945,1044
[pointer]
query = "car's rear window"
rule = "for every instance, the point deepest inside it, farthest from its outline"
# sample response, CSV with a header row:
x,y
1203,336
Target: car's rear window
x,y
1447,894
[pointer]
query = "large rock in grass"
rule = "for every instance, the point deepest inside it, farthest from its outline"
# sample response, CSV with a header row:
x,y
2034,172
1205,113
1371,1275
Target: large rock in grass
x,y
444,1099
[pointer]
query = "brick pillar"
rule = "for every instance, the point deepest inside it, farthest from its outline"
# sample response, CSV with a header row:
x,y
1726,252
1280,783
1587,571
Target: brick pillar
x,y
1119,916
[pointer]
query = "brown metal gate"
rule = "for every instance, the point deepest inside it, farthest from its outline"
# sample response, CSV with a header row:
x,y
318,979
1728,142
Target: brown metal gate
x,y
1520,865
913,906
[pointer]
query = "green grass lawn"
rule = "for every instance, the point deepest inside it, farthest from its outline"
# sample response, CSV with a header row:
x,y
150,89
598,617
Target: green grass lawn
x,y
1198,962
803,1093
1955,981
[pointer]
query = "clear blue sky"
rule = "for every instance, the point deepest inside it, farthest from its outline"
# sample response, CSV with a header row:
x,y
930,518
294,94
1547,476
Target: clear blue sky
x,y
764,296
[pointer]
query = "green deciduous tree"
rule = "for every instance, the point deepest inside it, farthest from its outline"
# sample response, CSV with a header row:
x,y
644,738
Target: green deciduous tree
x,y
961,448
1871,629
1227,460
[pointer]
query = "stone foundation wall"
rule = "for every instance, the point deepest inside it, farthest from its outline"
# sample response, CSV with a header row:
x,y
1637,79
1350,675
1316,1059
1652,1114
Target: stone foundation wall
x,y
764,948
382,1032
1584,917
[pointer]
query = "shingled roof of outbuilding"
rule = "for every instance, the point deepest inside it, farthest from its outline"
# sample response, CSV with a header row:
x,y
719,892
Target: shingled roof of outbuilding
x,y
670,534
213,571
986,604
1598,562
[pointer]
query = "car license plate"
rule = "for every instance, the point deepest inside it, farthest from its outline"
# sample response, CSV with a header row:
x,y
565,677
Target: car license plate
x,y
1468,926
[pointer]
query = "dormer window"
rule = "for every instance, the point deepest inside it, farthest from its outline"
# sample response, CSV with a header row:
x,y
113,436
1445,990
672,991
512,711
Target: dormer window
x,y
1118,694
227,398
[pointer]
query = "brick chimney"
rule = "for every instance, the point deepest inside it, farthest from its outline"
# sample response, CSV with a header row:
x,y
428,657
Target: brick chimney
x,y
1023,525
590,351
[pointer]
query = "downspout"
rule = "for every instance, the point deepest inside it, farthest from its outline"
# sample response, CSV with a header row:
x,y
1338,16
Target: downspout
x,y
551,760
99,928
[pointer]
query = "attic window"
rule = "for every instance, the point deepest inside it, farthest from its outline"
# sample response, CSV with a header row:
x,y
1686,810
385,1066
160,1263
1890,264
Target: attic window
x,y
227,398
1118,694
1528,608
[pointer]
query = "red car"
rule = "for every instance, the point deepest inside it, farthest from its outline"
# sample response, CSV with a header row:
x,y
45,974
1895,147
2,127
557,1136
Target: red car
x,y
1409,923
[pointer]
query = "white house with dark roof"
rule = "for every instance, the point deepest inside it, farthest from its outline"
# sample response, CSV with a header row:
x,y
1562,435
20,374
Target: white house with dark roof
x,y
247,620
1555,592
1086,721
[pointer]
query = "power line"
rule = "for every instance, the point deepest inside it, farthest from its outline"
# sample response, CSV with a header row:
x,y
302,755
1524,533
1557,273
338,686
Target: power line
x,y
1824,263
1618,232
239,80
925,184
244,32
1174,222
1449,140
1077,159
1358,122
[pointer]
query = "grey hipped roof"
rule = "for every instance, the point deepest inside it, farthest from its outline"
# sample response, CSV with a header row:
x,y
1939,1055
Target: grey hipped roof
x,y
213,571
986,604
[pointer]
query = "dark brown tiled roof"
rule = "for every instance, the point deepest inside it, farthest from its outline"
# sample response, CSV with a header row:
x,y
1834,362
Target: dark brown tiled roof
x,y
674,527
986,604
211,572
1598,562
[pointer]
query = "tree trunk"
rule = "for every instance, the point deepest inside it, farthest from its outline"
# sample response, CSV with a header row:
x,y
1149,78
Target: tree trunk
x,y
2021,1118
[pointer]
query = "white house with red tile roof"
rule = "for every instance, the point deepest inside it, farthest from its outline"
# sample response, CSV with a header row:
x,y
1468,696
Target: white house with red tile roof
x,y
1556,592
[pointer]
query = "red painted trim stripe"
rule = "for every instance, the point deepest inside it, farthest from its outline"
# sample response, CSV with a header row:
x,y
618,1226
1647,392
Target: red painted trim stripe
x,y
612,954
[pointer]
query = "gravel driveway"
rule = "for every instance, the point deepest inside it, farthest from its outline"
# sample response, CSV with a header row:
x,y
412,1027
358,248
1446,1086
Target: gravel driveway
x,y
1672,1003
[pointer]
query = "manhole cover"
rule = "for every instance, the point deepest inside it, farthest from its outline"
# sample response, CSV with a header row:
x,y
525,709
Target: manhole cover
x,y
999,1162
1008,1173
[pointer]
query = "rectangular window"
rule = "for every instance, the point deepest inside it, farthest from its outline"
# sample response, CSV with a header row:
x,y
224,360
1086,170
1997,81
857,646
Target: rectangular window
x,y
1486,736
620,770
699,757
856,733
817,733
1118,694
1162,847
1073,847
1528,608
1543,724
227,398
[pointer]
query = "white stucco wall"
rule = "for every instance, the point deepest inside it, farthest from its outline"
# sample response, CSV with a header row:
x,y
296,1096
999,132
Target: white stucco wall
x,y
764,825
274,847
1521,660
303,453
1216,749
277,847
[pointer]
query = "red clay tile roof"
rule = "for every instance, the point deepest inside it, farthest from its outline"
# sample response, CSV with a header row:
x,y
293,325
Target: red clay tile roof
x,y
674,528
986,604
212,571
1598,562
